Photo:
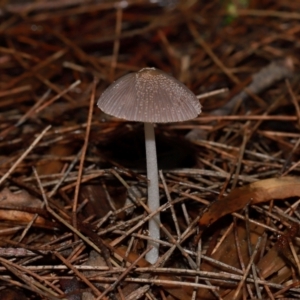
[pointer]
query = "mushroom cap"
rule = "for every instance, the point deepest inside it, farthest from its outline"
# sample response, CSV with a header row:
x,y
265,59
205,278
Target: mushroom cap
x,y
149,95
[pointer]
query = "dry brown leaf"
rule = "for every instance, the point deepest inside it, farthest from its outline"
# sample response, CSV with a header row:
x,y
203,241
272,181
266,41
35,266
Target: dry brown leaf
x,y
227,253
95,260
18,200
47,166
111,197
257,192
271,263
274,264
12,294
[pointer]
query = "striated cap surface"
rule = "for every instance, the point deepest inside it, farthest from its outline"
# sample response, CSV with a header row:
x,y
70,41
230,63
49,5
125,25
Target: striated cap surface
x,y
149,95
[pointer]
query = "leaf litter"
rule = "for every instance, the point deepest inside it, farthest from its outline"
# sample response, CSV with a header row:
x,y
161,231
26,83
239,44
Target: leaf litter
x,y
72,179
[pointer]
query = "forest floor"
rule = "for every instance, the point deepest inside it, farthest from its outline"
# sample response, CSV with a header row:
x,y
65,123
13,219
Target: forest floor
x,y
73,186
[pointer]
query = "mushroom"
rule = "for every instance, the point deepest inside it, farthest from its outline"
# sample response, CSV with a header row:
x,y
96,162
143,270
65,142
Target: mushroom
x,y
150,96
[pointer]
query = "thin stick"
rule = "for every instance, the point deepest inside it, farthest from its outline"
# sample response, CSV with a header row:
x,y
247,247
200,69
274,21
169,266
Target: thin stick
x,y
123,275
77,273
254,273
199,40
82,158
247,269
204,119
240,158
31,111
161,175
269,13
65,175
59,95
116,48
212,93
16,90
198,262
34,143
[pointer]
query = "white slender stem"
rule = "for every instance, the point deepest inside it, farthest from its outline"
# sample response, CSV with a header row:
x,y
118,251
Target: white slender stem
x,y
153,191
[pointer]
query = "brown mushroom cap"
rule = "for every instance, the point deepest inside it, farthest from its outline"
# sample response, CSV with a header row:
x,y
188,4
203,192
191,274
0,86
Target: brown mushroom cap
x,y
149,95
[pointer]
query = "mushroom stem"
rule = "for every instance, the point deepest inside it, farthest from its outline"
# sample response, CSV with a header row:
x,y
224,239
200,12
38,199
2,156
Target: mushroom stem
x,y
153,191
